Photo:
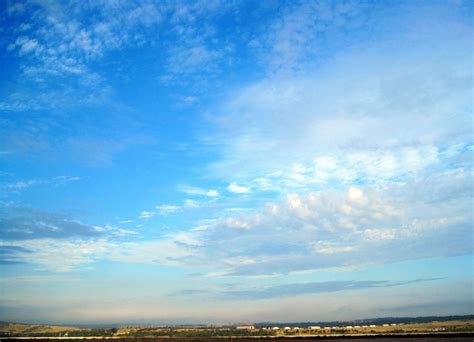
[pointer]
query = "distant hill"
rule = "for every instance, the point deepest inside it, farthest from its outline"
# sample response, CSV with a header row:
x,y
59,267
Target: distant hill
x,y
10,329
368,321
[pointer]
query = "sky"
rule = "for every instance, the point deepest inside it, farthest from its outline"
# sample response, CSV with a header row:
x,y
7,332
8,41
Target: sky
x,y
235,161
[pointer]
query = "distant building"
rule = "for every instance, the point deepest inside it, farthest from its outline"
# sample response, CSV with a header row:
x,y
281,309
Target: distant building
x,y
385,325
372,325
349,327
245,327
275,328
315,327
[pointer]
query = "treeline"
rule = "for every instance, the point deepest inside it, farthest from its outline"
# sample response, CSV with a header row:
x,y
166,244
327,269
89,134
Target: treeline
x,y
368,321
206,332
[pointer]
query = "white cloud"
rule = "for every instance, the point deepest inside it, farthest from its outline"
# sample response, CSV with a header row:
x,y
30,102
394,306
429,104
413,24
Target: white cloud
x,y
167,209
333,249
191,190
355,195
190,99
16,7
22,184
189,203
354,226
192,59
61,255
426,216
27,45
65,39
67,178
212,193
265,184
197,191
237,223
124,232
380,234
351,112
146,214
238,189
296,36
167,252
147,14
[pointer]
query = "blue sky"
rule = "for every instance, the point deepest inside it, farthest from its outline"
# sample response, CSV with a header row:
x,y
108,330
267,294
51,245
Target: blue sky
x,y
235,161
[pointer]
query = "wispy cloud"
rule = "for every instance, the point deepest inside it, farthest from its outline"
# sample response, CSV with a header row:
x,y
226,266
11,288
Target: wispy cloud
x,y
193,190
22,184
27,223
312,287
60,46
67,178
238,189
63,255
39,279
234,292
11,254
146,214
298,33
380,124
189,203
100,151
166,209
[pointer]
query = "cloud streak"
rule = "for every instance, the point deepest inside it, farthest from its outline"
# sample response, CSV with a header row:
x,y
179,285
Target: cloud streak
x,y
27,224
11,255
313,288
